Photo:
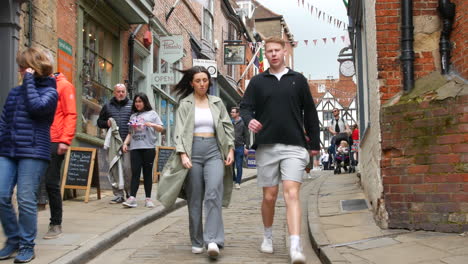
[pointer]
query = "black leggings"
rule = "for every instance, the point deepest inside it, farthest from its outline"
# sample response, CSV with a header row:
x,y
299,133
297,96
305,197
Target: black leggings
x,y
142,158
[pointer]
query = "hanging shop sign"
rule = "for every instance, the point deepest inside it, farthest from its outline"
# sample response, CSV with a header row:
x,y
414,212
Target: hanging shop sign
x,y
172,48
210,65
234,54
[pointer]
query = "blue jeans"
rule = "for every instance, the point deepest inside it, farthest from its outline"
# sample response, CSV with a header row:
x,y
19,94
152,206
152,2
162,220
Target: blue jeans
x,y
238,161
26,174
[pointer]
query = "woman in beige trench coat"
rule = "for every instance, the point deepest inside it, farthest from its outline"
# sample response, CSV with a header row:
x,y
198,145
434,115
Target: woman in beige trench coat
x,y
199,170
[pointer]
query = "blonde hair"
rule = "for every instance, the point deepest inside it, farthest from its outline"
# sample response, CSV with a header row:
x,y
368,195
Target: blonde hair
x,y
345,143
36,59
275,39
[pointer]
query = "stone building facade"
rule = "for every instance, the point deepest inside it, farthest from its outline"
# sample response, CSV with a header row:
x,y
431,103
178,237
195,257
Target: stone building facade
x,y
413,144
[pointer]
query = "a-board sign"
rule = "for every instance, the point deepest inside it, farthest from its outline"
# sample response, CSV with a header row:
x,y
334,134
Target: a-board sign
x,y
80,167
162,155
79,164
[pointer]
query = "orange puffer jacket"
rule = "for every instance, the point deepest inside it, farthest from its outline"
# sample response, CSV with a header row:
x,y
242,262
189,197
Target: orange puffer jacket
x,y
64,126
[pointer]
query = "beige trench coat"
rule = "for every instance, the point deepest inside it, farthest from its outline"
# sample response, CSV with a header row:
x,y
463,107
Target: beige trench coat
x,y
172,178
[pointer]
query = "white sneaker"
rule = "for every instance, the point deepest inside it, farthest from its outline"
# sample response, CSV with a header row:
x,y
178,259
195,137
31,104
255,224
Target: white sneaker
x,y
267,245
237,186
297,257
213,250
149,203
130,203
197,250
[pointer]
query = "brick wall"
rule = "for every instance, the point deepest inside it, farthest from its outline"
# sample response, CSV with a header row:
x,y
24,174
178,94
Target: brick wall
x,y
425,152
66,26
426,38
458,38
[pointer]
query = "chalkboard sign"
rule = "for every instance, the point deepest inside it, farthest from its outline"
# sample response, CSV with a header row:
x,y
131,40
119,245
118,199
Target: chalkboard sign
x,y
162,155
80,167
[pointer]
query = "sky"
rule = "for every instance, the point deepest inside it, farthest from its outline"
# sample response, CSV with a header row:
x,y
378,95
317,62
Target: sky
x,y
314,61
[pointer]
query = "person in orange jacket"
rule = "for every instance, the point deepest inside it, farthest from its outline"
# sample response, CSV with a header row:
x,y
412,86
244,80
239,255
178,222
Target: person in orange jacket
x,y
62,132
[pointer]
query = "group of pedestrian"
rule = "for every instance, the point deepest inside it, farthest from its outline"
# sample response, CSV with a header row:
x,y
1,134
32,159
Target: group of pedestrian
x,y
278,107
131,141
37,126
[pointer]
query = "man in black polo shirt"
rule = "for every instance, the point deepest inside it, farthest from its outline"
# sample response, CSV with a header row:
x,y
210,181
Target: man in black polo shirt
x,y
278,107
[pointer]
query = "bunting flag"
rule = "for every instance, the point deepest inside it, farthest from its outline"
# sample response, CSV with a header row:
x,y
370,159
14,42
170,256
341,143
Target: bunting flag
x,y
343,38
324,40
306,42
334,39
315,42
260,61
321,15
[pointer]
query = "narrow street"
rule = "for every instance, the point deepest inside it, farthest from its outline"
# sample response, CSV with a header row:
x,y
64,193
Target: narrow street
x,y
167,239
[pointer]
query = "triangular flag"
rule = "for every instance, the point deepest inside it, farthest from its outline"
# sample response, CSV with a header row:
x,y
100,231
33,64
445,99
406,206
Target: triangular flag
x,y
315,42
334,38
320,12
324,40
298,2
306,42
302,2
343,38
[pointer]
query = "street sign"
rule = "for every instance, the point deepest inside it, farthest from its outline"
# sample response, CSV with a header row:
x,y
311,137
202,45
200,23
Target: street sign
x,y
210,65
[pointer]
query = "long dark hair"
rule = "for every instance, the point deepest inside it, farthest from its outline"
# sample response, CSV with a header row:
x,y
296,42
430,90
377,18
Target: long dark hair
x,y
184,88
146,103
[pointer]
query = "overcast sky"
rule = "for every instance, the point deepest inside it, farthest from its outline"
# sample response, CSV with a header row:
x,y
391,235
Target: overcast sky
x,y
320,61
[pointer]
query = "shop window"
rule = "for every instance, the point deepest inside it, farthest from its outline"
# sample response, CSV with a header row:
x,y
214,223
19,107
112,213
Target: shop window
x,y
96,75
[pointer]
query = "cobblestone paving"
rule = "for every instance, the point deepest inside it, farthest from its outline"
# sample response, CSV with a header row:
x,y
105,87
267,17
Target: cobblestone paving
x,y
167,240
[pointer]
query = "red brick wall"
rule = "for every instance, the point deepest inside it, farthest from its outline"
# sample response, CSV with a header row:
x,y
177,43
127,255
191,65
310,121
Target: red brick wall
x,y
388,25
66,27
458,38
425,152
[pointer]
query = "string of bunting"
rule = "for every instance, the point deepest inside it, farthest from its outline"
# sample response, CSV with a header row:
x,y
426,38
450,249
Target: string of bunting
x,y
315,42
321,15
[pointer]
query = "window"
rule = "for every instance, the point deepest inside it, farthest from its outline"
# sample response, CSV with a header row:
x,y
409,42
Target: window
x,y
97,74
322,88
232,35
208,22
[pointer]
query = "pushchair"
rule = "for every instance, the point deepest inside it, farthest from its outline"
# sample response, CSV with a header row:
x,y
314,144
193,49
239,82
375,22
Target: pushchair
x,y
343,159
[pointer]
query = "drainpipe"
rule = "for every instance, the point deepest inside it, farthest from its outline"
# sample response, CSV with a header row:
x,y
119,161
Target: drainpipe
x,y
131,43
30,23
447,12
407,53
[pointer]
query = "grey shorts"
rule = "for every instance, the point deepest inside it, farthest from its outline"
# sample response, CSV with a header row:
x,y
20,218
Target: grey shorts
x,y
280,161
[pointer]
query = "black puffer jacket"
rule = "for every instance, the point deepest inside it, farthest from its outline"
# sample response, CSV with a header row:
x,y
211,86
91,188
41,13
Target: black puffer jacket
x,y
120,111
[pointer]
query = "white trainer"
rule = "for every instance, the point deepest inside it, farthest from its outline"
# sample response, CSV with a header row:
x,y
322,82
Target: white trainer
x,y
267,245
213,250
149,203
297,257
197,250
130,203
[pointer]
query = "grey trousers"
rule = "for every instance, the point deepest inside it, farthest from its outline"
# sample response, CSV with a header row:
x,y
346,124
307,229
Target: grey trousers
x,y
127,171
204,188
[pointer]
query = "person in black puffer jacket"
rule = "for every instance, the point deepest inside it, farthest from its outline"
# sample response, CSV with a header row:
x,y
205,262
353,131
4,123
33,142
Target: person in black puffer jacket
x,y
25,150
119,108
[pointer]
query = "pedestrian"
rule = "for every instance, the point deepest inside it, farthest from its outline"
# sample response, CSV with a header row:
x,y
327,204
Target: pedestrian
x,y
241,139
118,109
204,137
141,141
277,106
324,159
339,130
355,146
25,124
62,132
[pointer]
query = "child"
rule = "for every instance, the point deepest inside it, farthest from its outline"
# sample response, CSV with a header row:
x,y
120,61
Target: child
x,y
342,155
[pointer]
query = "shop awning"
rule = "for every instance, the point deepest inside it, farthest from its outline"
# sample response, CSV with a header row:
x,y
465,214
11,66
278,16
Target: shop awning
x,y
133,11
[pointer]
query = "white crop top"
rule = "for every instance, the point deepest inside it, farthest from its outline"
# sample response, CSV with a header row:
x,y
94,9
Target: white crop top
x,y
203,121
